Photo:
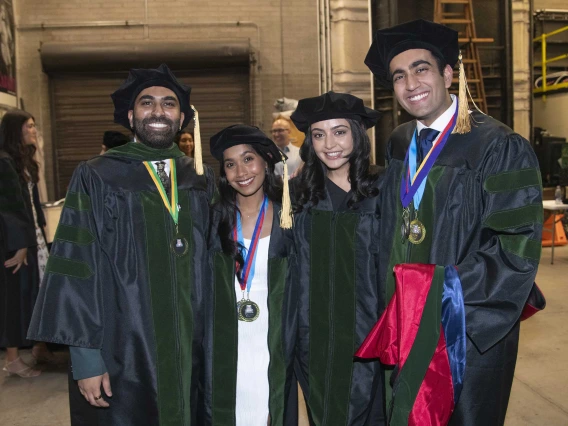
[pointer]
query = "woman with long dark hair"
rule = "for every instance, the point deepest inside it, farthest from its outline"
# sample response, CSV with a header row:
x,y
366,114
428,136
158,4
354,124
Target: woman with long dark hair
x,y
23,251
185,143
250,334
336,235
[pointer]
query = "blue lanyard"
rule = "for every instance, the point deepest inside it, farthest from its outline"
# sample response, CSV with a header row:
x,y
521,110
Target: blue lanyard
x,y
412,151
247,273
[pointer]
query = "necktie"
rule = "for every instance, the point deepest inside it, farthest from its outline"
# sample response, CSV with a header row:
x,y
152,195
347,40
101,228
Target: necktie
x,y
163,175
425,140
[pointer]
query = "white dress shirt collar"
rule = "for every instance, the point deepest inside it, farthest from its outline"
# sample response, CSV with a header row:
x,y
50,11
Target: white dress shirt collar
x,y
442,121
155,165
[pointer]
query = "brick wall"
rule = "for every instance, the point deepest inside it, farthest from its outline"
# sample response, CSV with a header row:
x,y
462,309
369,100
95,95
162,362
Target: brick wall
x,y
286,41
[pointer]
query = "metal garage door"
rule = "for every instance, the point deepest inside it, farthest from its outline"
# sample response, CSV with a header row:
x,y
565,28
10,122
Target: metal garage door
x,y
83,111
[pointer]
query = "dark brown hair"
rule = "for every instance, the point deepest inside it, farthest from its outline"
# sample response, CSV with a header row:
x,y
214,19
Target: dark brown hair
x,y
311,180
11,142
183,132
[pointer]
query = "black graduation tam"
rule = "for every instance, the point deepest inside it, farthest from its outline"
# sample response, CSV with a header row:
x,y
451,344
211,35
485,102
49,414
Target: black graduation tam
x,y
112,139
140,79
420,34
332,105
239,134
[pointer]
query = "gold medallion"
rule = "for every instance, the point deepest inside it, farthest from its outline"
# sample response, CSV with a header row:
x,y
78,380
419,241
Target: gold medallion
x,y
248,310
417,232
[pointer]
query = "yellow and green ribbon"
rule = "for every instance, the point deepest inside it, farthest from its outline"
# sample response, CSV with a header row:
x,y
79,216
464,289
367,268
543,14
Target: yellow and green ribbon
x,y
171,205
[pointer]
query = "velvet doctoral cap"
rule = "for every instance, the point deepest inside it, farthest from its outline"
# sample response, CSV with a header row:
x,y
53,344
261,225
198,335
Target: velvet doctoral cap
x,y
332,105
112,139
420,34
140,79
239,134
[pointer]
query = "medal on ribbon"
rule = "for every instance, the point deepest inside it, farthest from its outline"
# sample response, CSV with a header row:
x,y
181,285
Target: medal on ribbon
x,y
413,183
248,310
179,245
416,231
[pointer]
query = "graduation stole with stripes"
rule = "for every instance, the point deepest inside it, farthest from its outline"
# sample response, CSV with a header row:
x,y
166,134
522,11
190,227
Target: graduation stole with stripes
x,y
422,333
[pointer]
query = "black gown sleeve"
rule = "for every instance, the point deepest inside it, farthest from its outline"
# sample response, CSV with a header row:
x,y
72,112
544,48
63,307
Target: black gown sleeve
x,y
212,194
37,206
497,277
18,227
69,308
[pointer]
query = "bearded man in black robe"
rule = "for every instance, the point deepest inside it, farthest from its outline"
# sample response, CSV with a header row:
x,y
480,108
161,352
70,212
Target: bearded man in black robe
x,y
475,207
124,283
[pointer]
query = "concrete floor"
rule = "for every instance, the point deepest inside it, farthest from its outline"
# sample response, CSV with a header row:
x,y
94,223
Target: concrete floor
x,y
539,396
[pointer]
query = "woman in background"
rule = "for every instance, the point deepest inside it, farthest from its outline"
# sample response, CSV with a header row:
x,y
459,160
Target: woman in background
x,y
184,141
23,250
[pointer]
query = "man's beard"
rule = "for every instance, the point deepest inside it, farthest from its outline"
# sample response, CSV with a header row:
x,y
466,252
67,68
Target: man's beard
x,y
158,140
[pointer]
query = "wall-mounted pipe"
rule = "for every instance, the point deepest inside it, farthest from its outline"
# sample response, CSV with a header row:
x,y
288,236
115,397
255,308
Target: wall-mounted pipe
x,y
328,44
80,24
372,81
282,61
146,28
320,59
324,47
130,24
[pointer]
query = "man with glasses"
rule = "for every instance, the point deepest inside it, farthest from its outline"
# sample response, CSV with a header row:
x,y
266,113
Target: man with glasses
x,y
281,137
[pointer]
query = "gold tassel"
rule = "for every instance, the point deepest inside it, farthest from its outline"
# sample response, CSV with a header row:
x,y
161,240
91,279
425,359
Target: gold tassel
x,y
463,123
286,218
198,154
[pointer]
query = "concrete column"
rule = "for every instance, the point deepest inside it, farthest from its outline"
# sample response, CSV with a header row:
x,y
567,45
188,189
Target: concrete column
x,y
344,40
522,85
345,37
350,41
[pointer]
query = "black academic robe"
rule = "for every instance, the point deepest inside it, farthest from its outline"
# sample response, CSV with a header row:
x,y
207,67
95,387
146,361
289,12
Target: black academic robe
x,y
18,291
482,210
221,339
340,300
113,283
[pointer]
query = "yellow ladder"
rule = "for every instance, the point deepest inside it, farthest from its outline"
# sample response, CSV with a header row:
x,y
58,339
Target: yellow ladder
x,y
458,14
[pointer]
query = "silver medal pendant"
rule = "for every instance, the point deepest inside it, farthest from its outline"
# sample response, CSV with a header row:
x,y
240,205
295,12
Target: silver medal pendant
x,y
179,245
405,226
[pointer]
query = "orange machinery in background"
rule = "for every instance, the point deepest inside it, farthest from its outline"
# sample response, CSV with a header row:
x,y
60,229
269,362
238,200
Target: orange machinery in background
x,y
559,234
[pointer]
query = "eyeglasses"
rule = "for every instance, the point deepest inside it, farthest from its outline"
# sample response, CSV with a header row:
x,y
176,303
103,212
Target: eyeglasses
x,y
273,131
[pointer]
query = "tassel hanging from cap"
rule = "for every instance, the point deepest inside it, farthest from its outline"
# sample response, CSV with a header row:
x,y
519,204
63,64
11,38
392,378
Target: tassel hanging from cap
x,y
286,218
198,151
463,123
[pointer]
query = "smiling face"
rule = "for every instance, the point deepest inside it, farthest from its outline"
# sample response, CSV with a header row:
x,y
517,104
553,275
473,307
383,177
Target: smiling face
x,y
29,132
280,133
333,142
186,144
418,85
156,117
245,169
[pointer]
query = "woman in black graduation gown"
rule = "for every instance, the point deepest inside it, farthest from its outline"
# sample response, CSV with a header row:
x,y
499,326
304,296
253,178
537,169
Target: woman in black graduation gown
x,y
251,329
336,237
21,230
185,143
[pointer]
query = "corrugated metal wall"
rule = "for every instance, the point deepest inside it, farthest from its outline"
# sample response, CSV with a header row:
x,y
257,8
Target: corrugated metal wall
x,y
83,111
